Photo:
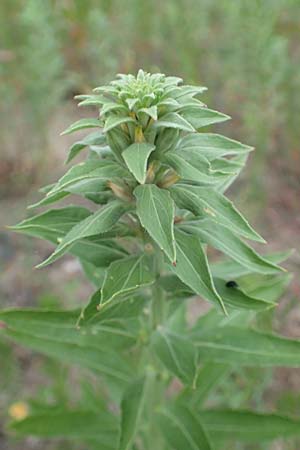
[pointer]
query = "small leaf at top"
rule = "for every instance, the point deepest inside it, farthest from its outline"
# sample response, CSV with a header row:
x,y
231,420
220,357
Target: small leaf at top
x,y
136,157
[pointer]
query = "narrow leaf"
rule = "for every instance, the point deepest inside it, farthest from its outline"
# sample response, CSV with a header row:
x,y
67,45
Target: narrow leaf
x,y
192,267
182,429
131,409
156,210
81,124
173,120
99,222
247,426
136,157
205,201
126,275
201,117
114,121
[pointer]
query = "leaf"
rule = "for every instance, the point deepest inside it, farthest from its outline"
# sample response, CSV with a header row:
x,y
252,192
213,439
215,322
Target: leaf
x,y
246,347
182,429
176,352
75,424
236,298
173,120
97,223
229,269
54,333
199,117
96,138
227,242
131,409
151,111
114,121
193,166
98,251
156,210
247,426
192,268
48,200
126,275
136,157
212,145
203,201
53,223
91,175
208,377
81,124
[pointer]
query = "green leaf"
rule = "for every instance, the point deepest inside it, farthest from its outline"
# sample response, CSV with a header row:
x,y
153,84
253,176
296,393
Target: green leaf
x,y
192,267
201,117
205,201
53,223
97,223
210,375
77,424
114,121
176,352
126,275
229,269
156,210
90,176
182,429
212,145
236,298
48,200
227,242
173,120
246,347
96,138
136,157
81,124
131,409
54,333
247,426
151,111
192,166
98,251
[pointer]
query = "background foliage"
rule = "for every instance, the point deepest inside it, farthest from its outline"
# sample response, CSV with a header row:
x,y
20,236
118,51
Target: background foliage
x,y
245,51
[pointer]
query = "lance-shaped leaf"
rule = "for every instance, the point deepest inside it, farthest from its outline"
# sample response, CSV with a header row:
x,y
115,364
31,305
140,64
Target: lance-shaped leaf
x,y
227,242
48,200
209,376
76,424
205,201
246,347
176,352
95,138
81,124
212,145
192,268
235,297
132,405
114,121
182,429
54,333
173,120
97,223
229,269
52,224
201,117
136,157
247,426
151,111
192,166
156,210
126,275
88,176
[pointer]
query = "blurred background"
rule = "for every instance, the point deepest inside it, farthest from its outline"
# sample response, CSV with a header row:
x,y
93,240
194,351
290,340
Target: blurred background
x,y
247,52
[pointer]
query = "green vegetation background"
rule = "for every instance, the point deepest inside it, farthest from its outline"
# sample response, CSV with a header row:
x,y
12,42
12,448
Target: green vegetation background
x,y
247,52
